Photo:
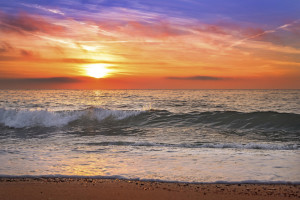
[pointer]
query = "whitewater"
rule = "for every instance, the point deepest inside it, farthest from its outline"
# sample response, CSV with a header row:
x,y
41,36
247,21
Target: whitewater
x,y
201,136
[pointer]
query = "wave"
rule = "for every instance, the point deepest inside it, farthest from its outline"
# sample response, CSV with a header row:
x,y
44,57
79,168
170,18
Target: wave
x,y
205,145
229,119
15,118
271,121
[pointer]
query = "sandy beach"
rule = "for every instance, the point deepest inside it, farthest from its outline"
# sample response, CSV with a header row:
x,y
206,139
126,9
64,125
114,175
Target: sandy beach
x,y
83,188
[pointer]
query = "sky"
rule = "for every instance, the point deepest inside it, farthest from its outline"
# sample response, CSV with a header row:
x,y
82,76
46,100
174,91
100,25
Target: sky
x,y
157,44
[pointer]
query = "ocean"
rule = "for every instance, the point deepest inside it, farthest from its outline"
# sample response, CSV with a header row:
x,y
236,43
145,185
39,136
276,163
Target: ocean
x,y
201,136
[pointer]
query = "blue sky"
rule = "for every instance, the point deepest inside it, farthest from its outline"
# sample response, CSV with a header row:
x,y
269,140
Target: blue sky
x,y
263,12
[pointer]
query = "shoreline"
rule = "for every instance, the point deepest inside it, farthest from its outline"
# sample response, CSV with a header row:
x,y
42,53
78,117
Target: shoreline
x,y
101,188
121,178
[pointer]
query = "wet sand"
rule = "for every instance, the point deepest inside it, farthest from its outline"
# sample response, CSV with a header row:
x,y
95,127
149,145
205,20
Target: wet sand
x,y
82,188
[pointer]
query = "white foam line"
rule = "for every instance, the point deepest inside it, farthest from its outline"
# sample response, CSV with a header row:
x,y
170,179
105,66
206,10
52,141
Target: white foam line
x,y
254,146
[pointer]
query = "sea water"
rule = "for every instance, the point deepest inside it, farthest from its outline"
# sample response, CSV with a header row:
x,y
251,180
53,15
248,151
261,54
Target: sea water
x,y
169,135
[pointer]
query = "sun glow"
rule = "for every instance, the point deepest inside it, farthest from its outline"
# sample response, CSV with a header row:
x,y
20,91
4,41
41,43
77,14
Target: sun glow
x,y
97,70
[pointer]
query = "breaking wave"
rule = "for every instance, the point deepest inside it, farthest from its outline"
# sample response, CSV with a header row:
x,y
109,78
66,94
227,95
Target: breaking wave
x,y
270,121
31,118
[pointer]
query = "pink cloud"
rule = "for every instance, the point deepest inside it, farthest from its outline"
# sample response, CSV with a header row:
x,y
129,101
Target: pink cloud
x,y
23,22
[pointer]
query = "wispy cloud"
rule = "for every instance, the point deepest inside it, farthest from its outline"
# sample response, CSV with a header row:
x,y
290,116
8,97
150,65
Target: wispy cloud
x,y
51,10
23,22
284,26
5,47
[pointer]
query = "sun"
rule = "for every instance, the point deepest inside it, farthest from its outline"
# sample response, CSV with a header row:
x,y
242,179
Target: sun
x,y
97,70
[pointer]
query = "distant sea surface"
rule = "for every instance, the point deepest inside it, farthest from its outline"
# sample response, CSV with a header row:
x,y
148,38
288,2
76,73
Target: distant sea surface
x,y
169,135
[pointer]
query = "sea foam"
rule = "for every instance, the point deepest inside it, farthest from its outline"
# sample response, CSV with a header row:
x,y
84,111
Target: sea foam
x,y
263,146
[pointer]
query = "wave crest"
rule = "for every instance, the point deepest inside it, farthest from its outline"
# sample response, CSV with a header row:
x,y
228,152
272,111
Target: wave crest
x,y
15,118
229,120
